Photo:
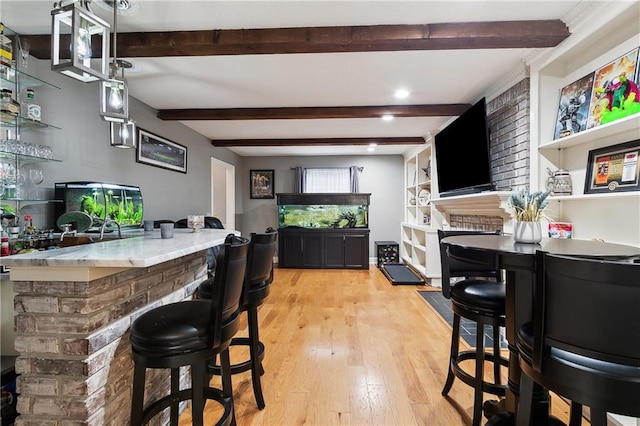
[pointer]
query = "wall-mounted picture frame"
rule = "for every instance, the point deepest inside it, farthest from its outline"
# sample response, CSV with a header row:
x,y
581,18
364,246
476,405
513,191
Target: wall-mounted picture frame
x,y
261,184
157,151
613,169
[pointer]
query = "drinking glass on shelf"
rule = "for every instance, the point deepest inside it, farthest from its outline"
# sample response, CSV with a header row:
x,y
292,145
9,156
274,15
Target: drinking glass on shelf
x,y
36,177
24,51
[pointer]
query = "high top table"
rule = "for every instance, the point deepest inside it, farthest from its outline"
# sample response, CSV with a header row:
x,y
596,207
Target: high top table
x,y
518,260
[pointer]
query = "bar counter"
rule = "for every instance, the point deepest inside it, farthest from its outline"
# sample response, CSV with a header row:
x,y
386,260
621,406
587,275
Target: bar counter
x,y
73,311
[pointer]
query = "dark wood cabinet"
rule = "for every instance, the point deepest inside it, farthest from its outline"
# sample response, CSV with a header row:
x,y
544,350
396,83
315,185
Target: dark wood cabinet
x,y
323,248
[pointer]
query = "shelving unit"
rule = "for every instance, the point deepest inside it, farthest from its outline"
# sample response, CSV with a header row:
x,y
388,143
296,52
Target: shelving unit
x,y
612,217
419,247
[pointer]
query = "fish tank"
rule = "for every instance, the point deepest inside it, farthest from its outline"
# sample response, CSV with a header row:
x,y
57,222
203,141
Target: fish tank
x,y
323,211
100,200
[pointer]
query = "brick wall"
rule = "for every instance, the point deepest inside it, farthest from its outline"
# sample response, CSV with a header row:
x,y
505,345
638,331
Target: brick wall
x,y
75,361
508,118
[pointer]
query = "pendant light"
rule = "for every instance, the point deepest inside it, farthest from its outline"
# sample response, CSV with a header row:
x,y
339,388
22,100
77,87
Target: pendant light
x,y
123,134
114,97
74,25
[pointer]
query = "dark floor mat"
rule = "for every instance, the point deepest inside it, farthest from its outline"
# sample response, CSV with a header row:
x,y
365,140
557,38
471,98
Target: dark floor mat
x,y
399,273
467,327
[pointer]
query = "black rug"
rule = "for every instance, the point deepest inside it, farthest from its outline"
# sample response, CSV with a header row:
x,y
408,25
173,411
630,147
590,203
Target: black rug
x,y
467,327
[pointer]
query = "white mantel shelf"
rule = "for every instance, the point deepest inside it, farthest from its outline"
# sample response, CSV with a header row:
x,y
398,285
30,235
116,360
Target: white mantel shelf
x,y
488,203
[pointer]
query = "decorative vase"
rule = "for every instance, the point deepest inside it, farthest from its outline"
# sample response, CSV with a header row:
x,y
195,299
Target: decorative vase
x,y
527,232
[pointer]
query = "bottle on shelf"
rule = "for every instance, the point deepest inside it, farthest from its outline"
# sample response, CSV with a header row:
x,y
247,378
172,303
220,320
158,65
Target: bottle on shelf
x,y
30,108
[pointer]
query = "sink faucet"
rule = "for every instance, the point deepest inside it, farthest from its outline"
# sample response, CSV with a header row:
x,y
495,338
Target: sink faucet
x,y
66,230
104,225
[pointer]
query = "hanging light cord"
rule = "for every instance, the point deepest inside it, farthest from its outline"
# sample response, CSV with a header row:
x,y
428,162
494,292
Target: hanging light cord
x,y
115,40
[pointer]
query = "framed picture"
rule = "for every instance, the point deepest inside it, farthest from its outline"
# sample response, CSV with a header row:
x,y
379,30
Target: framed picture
x,y
612,86
613,169
160,152
261,182
573,110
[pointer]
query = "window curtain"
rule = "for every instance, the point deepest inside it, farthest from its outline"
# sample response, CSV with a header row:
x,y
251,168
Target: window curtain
x,y
298,179
354,183
326,180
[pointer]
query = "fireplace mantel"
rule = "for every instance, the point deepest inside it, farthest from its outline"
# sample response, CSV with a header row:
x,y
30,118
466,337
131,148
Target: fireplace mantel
x,y
490,203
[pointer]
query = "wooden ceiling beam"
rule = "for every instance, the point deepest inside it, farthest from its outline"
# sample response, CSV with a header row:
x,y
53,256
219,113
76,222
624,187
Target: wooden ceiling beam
x,y
412,140
365,38
433,110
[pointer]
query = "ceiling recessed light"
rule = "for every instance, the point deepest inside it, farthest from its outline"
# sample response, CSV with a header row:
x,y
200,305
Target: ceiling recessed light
x,y
387,117
401,94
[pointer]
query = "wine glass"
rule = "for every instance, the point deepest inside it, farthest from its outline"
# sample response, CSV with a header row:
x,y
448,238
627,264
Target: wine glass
x,y
24,51
36,177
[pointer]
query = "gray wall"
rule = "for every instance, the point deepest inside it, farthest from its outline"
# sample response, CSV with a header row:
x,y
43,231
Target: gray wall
x,y
82,145
382,177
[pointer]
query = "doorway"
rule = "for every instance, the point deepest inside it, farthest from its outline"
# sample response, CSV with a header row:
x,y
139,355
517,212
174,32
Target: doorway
x,y
223,192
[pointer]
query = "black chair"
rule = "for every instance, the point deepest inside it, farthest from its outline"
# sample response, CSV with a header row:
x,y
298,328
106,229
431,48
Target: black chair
x,y
259,276
157,223
189,333
479,297
585,341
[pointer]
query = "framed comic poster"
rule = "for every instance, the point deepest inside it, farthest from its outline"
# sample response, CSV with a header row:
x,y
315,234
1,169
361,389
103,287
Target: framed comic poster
x,y
612,86
573,110
262,182
613,169
160,152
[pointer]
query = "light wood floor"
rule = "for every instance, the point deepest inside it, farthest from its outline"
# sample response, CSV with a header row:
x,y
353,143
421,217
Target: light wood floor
x,y
346,347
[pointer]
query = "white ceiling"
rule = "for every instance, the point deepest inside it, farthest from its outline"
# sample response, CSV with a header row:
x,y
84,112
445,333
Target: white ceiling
x,y
308,80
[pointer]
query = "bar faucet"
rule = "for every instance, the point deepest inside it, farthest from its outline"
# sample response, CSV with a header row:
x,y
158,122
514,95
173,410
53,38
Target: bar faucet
x,y
66,230
104,225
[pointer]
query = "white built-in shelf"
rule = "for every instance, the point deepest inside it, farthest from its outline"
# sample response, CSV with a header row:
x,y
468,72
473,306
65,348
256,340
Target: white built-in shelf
x,y
628,124
603,195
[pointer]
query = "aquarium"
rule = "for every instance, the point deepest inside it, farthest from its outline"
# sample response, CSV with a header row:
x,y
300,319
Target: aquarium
x,y
121,203
323,216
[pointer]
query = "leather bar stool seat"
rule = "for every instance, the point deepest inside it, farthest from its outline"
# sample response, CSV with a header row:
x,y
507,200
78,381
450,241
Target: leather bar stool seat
x,y
189,333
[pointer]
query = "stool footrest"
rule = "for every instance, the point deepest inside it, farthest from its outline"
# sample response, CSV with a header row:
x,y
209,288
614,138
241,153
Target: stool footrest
x,y
186,394
488,387
241,366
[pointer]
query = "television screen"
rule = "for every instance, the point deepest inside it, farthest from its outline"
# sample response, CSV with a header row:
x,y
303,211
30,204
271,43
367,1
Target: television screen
x,y
462,153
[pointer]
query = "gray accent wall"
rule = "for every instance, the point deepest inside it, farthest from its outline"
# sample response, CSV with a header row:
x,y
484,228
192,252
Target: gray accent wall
x,y
381,177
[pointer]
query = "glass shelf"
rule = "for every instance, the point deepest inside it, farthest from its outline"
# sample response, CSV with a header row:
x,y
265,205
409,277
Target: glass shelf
x,y
10,76
25,159
8,120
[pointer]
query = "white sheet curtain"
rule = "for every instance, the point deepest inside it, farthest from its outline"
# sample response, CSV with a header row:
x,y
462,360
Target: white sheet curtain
x,y
326,180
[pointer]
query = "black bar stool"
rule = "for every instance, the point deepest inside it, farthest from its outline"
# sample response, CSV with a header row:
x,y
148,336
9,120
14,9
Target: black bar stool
x,y
584,342
259,276
477,299
189,333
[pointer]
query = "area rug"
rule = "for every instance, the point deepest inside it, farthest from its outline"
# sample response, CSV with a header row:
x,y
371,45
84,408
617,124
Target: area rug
x,y
467,327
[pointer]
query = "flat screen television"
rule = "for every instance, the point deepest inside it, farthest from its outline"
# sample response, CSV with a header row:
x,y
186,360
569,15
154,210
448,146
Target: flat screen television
x,y
462,153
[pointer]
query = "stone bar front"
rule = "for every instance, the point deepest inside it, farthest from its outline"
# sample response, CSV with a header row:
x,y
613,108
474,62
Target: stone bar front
x,y
74,307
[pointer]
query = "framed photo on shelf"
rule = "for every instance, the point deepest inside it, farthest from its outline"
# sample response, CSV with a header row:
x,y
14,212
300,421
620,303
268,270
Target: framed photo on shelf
x,y
573,110
262,182
612,86
613,169
160,152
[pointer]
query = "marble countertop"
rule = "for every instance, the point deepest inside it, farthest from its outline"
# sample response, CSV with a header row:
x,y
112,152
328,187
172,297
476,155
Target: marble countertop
x,y
137,252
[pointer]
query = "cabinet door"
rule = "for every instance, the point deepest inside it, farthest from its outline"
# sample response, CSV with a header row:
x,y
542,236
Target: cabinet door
x,y
290,255
356,251
334,251
312,249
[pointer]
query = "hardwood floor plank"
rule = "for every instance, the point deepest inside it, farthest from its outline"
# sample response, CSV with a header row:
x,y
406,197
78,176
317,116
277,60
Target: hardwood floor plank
x,y
345,347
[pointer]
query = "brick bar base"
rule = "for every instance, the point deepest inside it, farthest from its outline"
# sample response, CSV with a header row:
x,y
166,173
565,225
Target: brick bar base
x,y
75,361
